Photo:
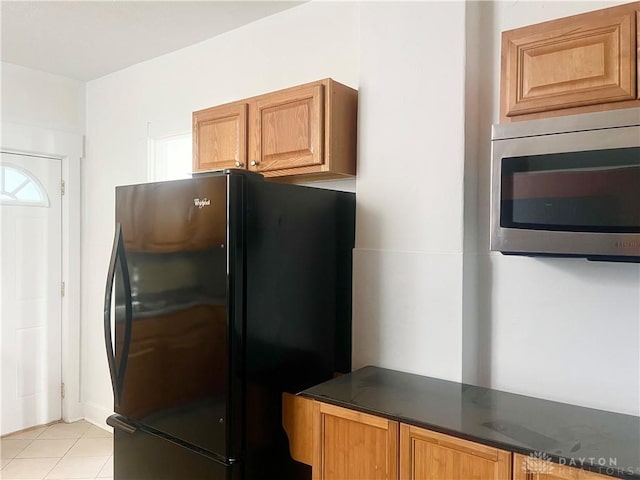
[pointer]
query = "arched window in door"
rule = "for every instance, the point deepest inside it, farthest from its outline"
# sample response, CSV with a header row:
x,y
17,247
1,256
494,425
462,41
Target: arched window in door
x,y
18,187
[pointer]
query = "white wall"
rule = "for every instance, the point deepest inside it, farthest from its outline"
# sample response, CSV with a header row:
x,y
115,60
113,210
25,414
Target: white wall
x,y
428,296
39,99
566,330
408,256
303,44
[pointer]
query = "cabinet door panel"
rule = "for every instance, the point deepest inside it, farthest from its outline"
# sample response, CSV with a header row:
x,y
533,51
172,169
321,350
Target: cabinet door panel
x,y
427,455
571,62
353,445
287,129
531,468
220,137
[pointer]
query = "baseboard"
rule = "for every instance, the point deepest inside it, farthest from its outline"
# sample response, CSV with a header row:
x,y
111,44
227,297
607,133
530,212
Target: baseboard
x,y
97,414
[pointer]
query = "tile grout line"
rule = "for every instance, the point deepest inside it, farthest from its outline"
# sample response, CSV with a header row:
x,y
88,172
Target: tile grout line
x,y
38,458
18,453
105,462
60,459
75,441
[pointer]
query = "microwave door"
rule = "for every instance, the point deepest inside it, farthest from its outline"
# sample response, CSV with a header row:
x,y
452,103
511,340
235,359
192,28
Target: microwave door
x,y
596,191
570,194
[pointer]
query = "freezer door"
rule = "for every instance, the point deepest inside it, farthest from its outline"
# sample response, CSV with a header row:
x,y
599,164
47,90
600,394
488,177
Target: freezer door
x,y
141,455
171,333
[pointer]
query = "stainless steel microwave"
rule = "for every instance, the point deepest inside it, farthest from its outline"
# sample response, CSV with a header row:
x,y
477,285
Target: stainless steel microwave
x,y
568,186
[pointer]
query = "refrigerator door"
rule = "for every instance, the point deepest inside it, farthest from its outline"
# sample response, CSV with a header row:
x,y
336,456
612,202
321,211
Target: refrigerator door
x,y
171,337
142,455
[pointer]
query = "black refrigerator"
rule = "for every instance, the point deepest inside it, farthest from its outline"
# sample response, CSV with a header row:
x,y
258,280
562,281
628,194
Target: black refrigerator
x,y
223,291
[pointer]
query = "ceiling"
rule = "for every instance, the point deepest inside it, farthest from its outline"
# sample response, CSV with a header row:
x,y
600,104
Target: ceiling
x,y
85,40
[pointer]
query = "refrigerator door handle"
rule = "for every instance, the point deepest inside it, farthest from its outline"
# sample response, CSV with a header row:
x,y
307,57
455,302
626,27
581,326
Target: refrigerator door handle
x,y
120,423
117,371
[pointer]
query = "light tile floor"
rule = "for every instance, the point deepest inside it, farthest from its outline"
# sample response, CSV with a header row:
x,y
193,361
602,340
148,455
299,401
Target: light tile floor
x,y
63,451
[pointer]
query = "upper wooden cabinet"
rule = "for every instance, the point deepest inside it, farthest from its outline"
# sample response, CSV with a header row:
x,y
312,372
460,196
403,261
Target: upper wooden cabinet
x,y
577,64
220,137
286,131
306,130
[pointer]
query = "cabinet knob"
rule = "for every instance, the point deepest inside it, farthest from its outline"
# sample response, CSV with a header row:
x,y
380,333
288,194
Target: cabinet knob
x,y
238,164
254,163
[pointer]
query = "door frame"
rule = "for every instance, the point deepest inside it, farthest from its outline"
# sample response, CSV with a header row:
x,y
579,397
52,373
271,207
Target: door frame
x,y
68,148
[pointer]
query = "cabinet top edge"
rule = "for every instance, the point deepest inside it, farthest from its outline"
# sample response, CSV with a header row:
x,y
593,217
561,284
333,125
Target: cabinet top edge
x,y
325,82
560,22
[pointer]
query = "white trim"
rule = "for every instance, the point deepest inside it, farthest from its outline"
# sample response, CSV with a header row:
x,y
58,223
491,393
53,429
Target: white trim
x,y
97,414
157,167
67,147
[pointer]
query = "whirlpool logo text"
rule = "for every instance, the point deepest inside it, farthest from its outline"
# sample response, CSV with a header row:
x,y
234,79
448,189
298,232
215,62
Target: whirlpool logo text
x,y
205,202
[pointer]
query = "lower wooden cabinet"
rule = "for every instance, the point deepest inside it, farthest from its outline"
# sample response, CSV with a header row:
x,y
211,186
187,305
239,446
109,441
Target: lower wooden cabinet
x,y
343,444
427,455
531,468
353,445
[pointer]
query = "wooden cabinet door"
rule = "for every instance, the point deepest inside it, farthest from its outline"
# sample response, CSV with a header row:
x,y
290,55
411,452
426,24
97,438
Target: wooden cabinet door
x,y
287,130
220,137
576,61
353,445
531,468
426,455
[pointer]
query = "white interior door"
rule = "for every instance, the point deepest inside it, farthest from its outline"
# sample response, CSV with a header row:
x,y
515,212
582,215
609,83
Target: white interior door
x,y
30,291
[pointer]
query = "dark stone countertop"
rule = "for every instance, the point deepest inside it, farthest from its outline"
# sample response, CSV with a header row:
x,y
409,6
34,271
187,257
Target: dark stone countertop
x,y
597,440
